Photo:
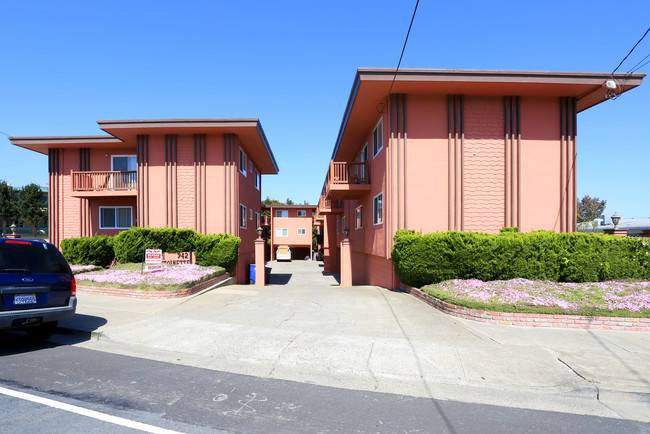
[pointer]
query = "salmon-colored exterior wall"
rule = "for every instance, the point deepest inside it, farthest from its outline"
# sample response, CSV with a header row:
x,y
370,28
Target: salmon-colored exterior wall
x,y
292,223
478,152
185,179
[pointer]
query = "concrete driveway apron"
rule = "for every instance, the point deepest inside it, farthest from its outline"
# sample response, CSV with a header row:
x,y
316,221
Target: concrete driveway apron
x,y
304,327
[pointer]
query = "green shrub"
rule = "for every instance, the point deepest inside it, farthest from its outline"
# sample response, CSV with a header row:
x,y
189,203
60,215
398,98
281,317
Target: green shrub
x,y
129,245
217,249
543,255
97,250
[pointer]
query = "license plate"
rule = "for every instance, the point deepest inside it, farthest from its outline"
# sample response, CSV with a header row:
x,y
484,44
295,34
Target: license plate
x,y
25,299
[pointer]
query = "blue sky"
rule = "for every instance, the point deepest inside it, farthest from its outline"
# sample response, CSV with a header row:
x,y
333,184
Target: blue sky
x,y
291,64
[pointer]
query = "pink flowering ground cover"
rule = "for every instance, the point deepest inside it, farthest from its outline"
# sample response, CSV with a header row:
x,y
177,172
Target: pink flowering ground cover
x,y
131,276
612,298
77,269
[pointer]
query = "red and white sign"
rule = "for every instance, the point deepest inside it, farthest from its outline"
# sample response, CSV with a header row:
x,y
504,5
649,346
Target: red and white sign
x,y
153,259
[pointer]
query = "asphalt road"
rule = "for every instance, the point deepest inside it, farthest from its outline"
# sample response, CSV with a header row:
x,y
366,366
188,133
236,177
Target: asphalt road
x,y
190,399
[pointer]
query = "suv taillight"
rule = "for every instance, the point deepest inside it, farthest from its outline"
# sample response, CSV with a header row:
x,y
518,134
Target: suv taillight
x,y
73,288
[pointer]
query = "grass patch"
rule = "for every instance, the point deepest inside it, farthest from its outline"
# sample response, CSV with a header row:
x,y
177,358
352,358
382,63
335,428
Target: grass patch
x,y
130,275
620,298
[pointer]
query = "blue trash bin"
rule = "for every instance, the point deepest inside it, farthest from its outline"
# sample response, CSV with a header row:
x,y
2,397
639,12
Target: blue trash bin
x,y
251,274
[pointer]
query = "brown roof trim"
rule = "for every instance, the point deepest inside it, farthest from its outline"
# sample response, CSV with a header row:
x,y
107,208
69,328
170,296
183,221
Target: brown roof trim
x,y
157,123
495,76
42,144
290,206
54,140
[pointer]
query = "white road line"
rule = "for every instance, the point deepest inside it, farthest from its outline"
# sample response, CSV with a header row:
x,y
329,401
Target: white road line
x,y
86,412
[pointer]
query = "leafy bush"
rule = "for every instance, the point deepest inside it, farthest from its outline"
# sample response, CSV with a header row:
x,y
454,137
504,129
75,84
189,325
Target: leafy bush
x,y
129,245
97,250
543,255
219,249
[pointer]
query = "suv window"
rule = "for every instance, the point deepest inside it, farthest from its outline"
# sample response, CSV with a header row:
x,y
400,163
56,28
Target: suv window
x,y
25,257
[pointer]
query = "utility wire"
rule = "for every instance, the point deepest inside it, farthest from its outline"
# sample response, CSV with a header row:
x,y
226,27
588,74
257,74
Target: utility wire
x,y
4,133
400,57
404,47
628,54
637,67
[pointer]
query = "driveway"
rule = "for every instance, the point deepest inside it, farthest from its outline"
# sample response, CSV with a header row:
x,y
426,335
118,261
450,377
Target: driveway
x,y
304,327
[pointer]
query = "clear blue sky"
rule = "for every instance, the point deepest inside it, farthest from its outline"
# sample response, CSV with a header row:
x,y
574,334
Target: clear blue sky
x,y
291,64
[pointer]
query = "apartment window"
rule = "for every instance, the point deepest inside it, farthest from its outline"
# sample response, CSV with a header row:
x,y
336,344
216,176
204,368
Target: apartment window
x,y
258,222
377,139
250,214
358,217
378,209
257,179
302,231
281,213
124,163
250,166
302,213
242,161
282,232
242,216
115,217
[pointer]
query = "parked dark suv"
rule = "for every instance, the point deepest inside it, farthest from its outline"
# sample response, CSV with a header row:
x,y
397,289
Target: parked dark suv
x,y
37,287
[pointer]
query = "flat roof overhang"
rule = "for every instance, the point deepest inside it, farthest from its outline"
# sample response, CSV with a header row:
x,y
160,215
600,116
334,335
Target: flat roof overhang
x,y
124,132
249,131
371,87
42,144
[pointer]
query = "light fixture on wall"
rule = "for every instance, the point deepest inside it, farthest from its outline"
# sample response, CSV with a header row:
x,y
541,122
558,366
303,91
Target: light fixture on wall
x,y
347,232
259,232
616,219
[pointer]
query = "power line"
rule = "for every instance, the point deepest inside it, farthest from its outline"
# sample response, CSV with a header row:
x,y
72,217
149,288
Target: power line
x,y
401,56
628,54
404,47
637,67
4,133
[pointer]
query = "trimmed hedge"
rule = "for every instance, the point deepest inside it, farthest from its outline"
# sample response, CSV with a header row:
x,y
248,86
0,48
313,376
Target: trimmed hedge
x,y
543,255
128,246
218,249
96,250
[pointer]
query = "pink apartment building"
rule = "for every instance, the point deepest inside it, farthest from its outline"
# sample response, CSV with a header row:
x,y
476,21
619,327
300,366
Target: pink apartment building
x,y
291,225
441,150
201,174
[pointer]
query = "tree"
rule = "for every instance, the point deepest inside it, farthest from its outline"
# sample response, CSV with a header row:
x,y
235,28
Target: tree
x,y
8,205
590,208
31,206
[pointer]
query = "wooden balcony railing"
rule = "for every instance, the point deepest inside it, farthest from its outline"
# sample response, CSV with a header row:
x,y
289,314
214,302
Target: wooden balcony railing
x,y
325,204
104,181
348,173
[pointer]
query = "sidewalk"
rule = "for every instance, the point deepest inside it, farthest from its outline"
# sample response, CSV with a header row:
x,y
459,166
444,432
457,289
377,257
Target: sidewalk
x,y
369,338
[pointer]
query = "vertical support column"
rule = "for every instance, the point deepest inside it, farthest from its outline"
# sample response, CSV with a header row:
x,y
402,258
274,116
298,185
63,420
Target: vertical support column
x,y
512,191
456,144
346,263
143,180
568,155
53,195
260,275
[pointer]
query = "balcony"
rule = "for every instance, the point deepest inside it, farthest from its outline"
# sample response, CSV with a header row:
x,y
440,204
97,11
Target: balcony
x,y
104,183
347,180
329,206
